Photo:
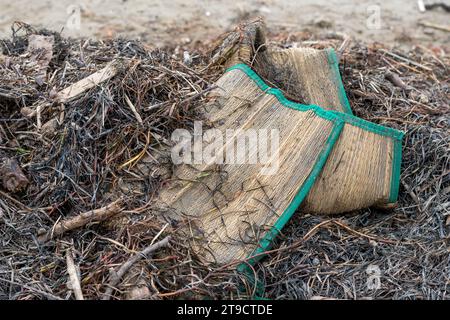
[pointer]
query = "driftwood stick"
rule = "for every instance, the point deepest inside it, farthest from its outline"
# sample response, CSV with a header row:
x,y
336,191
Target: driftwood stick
x,y
396,56
115,277
435,26
88,83
74,90
395,80
73,276
82,219
133,109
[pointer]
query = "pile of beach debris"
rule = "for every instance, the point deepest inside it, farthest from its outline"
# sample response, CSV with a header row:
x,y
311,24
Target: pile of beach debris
x,y
83,126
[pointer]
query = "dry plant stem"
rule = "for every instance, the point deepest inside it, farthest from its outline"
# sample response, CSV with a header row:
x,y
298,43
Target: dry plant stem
x,y
435,26
331,263
115,277
133,109
17,202
346,227
395,80
43,293
83,219
73,276
396,56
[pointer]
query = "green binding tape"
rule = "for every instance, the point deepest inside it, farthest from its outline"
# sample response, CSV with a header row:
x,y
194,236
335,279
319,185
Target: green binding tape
x,y
338,119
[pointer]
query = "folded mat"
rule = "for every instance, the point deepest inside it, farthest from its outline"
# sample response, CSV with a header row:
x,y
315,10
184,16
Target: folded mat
x,y
364,166
328,160
232,206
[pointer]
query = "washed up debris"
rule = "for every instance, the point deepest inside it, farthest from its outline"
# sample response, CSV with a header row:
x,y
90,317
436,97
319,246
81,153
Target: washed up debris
x,y
326,160
12,176
74,275
435,26
82,219
115,277
41,49
74,90
75,164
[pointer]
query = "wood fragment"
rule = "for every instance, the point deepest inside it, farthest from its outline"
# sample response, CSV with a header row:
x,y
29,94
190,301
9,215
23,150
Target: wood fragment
x,y
115,277
74,90
396,81
413,195
323,298
346,227
15,201
344,46
73,276
434,26
88,83
11,175
41,49
43,293
82,219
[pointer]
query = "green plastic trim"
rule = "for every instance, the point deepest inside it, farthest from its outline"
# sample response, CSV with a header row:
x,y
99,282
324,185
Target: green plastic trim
x,y
326,114
370,126
264,244
279,95
334,63
339,119
268,238
396,166
396,135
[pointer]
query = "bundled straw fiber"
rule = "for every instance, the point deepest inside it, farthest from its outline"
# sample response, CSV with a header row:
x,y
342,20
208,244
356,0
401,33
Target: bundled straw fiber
x,y
232,206
362,170
307,75
364,166
333,160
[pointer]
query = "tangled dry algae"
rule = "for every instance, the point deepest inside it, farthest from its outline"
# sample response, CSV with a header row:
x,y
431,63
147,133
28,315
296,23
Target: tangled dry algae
x,y
220,205
78,167
338,256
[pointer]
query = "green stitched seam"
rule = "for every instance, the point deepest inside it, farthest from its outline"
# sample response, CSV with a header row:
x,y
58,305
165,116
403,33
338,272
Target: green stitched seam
x,y
370,126
279,95
304,189
264,244
326,114
266,241
334,63
339,119
395,176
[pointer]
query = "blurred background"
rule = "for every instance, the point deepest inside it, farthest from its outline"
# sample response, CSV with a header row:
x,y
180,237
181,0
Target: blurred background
x,y
158,22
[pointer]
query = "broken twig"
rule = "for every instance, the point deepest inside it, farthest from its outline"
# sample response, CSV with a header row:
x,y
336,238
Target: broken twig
x,y
116,276
82,219
73,276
